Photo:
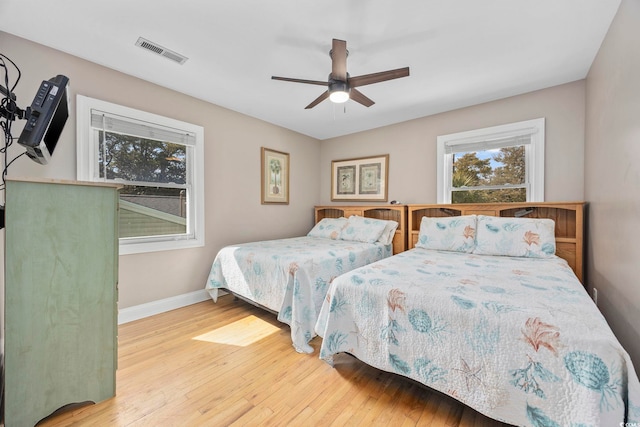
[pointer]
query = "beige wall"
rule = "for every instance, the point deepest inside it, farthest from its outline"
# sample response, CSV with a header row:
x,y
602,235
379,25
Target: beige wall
x,y
412,145
232,167
612,176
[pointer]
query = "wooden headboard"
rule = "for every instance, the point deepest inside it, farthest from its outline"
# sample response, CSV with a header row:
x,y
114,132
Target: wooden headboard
x,y
568,217
396,213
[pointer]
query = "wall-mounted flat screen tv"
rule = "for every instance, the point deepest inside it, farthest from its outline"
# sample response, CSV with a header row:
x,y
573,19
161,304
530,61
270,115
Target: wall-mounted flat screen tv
x,y
48,115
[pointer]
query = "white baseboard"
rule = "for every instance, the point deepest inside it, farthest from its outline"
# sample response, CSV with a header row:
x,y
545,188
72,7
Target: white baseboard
x,y
141,311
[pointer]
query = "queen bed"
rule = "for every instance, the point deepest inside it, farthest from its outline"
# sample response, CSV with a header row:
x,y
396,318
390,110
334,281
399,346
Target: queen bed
x,y
291,276
488,307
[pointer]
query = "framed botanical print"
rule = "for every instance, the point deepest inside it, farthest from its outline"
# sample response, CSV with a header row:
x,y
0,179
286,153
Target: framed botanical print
x,y
274,177
362,179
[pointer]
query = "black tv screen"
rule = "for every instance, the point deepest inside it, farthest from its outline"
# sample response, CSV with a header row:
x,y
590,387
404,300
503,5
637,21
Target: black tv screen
x,y
48,114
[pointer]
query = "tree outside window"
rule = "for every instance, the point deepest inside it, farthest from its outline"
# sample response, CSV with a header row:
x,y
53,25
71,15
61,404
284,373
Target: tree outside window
x,y
502,167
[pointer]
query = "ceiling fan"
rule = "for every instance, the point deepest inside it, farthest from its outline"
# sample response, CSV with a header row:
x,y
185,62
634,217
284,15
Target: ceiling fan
x,y
340,86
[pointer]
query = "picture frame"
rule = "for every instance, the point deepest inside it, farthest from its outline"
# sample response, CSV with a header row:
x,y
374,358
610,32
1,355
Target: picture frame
x,y
274,180
361,179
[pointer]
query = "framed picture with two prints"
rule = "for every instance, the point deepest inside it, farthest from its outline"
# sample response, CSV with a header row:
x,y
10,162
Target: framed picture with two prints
x,y
362,179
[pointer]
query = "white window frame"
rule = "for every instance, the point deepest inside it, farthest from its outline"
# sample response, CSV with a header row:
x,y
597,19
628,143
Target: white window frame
x,y
87,163
534,155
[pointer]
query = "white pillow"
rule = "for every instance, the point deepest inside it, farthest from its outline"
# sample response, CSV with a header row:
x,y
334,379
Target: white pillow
x,y
520,237
448,233
389,232
361,229
329,228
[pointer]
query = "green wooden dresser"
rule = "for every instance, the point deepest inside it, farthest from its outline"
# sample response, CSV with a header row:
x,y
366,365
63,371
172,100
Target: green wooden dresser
x,y
61,273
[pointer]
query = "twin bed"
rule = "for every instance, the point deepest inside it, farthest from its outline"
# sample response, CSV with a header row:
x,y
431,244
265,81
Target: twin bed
x,y
486,306
291,276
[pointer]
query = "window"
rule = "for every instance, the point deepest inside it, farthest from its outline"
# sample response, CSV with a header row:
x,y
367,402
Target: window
x,y
159,162
497,164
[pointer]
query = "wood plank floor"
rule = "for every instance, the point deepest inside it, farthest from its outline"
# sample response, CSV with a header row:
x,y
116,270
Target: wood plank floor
x,y
232,364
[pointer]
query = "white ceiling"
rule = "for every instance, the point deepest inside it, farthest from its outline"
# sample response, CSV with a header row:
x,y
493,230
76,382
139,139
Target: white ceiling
x,y
460,52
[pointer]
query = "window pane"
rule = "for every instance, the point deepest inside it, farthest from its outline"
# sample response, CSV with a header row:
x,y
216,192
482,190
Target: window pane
x,y
490,167
132,158
490,196
151,211
509,166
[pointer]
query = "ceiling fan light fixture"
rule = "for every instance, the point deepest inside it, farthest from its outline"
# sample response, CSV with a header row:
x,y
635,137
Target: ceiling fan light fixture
x,y
339,97
338,92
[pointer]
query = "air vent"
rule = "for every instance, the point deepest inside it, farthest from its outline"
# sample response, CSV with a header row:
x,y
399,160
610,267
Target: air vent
x,y
156,48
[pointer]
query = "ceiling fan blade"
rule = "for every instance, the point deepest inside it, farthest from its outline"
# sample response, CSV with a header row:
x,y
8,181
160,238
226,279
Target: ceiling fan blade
x,y
339,60
359,97
382,76
318,100
311,82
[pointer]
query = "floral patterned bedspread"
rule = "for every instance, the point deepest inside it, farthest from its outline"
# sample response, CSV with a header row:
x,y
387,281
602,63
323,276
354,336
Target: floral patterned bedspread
x,y
517,339
290,276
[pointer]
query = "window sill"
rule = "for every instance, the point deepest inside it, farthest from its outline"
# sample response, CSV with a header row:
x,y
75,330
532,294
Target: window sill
x,y
138,248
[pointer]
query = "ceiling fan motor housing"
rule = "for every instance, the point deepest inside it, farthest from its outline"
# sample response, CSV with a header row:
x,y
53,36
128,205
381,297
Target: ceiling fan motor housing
x,y
338,86
338,90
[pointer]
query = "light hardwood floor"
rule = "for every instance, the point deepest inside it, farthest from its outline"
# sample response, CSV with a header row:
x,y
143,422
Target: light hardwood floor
x,y
231,363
